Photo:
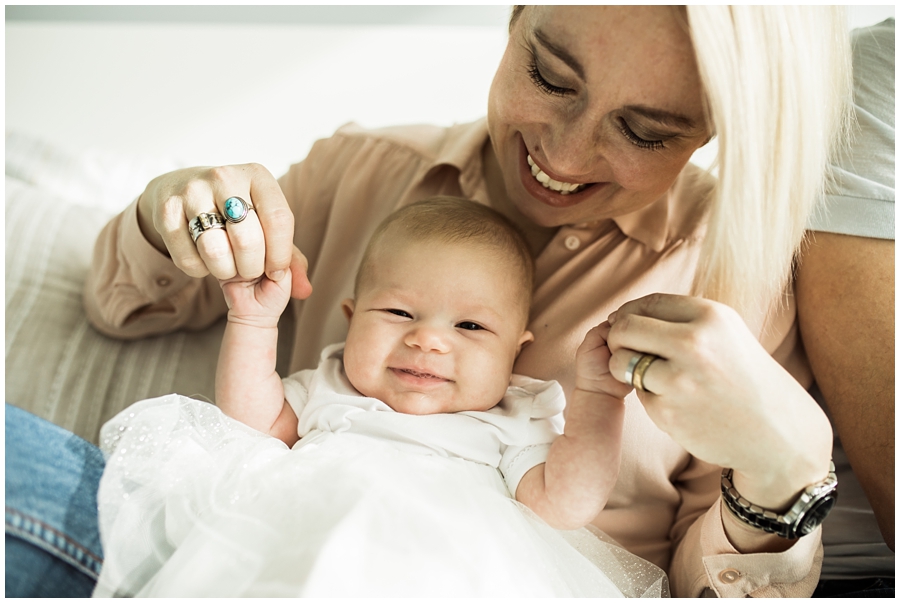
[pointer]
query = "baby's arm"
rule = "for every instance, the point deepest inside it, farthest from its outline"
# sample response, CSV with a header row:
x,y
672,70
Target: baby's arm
x,y
573,485
247,387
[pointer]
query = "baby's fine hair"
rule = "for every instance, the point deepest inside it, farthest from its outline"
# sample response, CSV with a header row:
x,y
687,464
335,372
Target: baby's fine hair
x,y
446,219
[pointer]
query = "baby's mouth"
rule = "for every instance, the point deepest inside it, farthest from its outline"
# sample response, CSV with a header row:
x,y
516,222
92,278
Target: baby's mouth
x,y
421,374
563,188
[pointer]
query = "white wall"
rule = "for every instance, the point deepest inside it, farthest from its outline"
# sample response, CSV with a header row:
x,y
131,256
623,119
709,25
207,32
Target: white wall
x,y
220,92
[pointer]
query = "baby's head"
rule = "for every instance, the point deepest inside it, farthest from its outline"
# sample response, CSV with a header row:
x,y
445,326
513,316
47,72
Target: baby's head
x,y
441,304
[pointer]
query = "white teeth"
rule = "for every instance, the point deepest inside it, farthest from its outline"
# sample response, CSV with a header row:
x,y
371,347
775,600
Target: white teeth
x,y
563,188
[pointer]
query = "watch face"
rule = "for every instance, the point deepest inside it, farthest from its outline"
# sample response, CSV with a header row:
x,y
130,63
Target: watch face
x,y
816,514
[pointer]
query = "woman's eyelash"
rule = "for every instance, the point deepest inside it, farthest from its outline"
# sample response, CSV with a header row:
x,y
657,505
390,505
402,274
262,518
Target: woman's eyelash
x,y
636,140
539,81
535,74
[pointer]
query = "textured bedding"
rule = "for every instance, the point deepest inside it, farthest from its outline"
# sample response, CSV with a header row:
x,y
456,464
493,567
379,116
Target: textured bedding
x,y
57,366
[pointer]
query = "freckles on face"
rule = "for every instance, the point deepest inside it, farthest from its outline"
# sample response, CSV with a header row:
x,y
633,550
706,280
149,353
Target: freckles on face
x,y
594,110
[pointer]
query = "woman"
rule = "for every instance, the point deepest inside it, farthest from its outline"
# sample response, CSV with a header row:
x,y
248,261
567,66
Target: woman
x,y
592,118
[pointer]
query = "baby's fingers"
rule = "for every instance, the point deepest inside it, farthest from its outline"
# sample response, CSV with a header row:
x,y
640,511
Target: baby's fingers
x,y
592,365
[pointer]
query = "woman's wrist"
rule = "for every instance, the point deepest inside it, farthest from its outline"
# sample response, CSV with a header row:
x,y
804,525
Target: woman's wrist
x,y
145,223
746,538
777,486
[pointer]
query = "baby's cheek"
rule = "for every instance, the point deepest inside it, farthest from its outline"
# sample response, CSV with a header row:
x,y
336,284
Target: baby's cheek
x,y
355,371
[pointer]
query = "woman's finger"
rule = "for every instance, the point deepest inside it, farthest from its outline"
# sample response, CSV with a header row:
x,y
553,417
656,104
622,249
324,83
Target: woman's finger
x,y
231,188
172,225
651,335
246,237
215,250
663,306
654,377
276,219
301,288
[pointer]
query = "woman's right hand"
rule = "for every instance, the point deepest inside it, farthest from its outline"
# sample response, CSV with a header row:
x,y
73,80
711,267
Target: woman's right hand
x,y
261,243
717,392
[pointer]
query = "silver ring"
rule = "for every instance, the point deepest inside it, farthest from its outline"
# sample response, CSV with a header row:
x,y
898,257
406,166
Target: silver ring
x,y
204,222
629,371
236,209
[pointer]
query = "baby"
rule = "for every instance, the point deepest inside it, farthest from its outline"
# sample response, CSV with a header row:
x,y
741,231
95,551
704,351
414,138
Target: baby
x,y
415,428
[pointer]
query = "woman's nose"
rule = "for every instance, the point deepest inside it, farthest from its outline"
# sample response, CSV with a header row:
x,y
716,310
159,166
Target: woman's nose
x,y
573,150
428,339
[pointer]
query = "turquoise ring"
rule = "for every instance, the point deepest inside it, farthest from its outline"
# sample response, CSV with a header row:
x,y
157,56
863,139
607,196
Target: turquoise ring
x,y
236,209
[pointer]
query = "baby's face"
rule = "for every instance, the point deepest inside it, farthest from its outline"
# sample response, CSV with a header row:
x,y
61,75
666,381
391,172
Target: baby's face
x,y
436,328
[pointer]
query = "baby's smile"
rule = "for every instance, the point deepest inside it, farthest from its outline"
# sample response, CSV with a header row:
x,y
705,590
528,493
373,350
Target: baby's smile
x,y
418,377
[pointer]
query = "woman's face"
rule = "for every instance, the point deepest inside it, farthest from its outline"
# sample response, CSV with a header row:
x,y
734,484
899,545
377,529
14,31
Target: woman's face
x,y
594,110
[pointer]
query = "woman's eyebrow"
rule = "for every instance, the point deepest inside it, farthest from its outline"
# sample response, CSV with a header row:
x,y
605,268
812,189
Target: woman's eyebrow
x,y
561,53
666,118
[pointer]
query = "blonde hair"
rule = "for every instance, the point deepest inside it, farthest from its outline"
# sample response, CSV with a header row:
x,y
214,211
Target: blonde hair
x,y
454,220
778,84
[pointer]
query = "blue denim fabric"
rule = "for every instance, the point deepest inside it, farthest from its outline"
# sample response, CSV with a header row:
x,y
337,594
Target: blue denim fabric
x,y
52,539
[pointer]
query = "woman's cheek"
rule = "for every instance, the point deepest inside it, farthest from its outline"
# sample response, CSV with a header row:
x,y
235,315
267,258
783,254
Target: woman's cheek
x,y
642,173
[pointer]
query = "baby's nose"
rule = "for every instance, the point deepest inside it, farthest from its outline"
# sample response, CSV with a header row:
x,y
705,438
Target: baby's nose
x,y
429,339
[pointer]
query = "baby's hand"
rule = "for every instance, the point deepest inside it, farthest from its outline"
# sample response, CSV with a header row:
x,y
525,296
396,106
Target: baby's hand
x,y
592,365
258,302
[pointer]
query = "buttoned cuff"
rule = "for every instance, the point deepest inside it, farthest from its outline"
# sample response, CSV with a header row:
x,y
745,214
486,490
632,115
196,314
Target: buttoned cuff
x,y
156,276
791,573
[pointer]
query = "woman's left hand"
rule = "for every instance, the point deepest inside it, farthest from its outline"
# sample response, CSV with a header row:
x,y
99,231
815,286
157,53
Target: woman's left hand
x,y
717,392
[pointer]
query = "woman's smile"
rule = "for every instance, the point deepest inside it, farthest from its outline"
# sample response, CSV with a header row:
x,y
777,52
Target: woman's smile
x,y
551,191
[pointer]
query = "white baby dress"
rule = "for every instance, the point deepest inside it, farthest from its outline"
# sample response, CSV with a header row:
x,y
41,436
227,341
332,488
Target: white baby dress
x,y
370,502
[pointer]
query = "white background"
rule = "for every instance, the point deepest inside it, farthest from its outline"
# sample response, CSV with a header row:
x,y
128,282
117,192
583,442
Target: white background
x,y
201,90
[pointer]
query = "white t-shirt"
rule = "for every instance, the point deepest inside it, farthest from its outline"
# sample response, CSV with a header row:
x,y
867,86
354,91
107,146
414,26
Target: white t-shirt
x,y
860,200
513,436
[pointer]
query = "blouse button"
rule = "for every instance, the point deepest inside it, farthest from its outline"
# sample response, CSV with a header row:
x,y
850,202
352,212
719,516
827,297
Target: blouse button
x,y
163,281
572,242
729,576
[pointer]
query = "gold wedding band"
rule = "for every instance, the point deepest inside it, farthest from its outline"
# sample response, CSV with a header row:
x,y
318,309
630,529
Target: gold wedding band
x,y
637,377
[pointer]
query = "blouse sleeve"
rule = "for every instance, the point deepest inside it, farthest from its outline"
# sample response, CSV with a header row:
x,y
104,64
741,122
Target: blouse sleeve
x,y
132,290
704,558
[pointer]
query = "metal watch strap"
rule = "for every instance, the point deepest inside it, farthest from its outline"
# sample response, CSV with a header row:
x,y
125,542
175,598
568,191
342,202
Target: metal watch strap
x,y
783,525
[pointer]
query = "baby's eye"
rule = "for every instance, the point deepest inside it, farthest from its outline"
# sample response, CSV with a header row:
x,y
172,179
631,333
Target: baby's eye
x,y
401,313
469,326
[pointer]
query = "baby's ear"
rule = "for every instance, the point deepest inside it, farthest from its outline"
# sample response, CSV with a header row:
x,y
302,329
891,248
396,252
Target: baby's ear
x,y
348,305
524,340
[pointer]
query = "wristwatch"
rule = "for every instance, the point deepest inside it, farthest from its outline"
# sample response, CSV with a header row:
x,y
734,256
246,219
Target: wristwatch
x,y
804,516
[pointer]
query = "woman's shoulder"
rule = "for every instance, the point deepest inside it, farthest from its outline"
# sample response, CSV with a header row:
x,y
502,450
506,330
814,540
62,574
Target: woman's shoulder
x,y
689,202
430,141
407,150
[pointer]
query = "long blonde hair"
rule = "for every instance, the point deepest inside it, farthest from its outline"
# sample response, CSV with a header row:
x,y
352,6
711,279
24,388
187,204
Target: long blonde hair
x,y
778,84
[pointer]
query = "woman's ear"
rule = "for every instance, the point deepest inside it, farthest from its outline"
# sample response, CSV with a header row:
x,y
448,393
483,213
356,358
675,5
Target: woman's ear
x,y
348,305
524,340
